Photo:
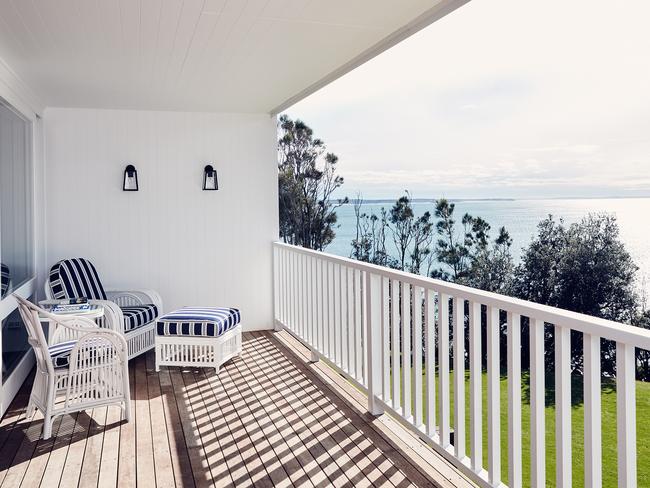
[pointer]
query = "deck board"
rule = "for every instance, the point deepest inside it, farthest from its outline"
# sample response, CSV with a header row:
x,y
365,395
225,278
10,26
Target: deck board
x,y
267,419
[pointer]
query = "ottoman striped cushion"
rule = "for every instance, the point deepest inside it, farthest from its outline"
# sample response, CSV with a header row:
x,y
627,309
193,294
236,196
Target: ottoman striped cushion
x,y
198,321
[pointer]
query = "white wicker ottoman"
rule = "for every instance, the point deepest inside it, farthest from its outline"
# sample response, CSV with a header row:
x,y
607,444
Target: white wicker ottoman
x,y
198,336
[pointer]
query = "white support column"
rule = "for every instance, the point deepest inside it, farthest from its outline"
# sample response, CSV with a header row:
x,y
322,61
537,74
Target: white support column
x,y
537,405
592,434
373,345
626,415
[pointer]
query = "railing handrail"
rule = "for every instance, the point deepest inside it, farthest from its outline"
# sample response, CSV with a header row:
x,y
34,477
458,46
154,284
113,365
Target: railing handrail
x,y
607,329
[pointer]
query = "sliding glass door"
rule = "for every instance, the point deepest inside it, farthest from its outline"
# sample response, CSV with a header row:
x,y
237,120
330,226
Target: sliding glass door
x,y
16,244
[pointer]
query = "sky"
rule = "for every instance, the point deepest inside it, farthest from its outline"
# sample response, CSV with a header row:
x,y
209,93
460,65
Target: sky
x,y
499,99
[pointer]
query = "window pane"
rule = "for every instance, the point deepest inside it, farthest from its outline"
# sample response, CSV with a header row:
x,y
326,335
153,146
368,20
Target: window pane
x,y
16,249
16,220
14,343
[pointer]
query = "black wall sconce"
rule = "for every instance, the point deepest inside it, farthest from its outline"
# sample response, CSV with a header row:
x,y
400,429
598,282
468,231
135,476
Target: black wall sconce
x,y
210,181
130,178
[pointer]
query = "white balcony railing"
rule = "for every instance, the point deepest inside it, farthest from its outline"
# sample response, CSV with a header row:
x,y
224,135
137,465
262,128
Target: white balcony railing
x,y
353,314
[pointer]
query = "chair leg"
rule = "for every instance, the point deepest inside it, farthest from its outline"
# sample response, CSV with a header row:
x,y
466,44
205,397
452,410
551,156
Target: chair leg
x,y
47,426
31,409
127,394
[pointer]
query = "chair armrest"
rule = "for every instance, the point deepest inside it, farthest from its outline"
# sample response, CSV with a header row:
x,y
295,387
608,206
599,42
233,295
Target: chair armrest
x,y
92,339
135,297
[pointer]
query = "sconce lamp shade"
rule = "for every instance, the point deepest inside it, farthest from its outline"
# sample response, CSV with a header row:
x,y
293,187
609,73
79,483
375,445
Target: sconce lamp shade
x,y
130,178
210,181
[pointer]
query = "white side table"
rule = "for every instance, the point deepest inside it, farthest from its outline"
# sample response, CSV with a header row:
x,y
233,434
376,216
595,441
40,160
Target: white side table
x,y
93,312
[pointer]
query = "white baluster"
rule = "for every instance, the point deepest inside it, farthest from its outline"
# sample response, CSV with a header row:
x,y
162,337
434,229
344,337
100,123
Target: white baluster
x,y
626,415
358,325
429,327
443,367
563,458
352,362
364,340
459,376
395,299
385,339
345,338
476,387
322,294
592,428
301,296
292,301
406,350
537,404
314,302
514,400
416,299
494,398
323,308
336,307
276,287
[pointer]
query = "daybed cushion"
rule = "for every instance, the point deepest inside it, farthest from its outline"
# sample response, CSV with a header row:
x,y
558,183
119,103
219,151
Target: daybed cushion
x,y
198,321
60,353
136,316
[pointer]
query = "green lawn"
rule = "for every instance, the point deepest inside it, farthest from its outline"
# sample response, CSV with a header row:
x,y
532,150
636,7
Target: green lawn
x,y
608,430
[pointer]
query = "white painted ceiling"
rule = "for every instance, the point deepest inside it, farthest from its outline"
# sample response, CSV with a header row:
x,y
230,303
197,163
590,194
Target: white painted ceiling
x,y
204,55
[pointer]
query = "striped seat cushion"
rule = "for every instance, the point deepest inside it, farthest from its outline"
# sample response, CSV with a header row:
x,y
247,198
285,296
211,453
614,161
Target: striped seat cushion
x,y
135,316
198,321
60,353
75,278
5,280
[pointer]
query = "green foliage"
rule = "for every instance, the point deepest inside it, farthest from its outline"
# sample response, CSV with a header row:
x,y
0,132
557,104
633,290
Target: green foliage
x,y
307,179
464,256
369,245
642,356
583,268
471,258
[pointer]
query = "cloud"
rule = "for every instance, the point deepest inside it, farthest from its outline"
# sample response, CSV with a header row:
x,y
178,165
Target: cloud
x,y
506,110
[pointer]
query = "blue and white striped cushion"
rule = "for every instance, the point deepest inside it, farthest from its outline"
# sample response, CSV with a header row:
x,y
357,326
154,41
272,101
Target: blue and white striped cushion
x,y
135,316
75,278
5,280
60,353
198,321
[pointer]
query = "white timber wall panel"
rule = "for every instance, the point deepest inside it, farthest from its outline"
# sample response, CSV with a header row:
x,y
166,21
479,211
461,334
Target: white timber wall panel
x,y
195,247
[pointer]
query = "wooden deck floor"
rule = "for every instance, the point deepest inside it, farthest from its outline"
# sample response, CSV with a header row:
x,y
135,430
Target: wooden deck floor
x,y
268,419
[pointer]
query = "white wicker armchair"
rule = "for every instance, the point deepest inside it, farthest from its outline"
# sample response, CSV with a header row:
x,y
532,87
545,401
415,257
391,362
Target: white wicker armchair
x,y
83,366
133,313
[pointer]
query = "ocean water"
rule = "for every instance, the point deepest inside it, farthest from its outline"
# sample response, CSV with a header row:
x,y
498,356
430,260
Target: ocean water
x,y
520,217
